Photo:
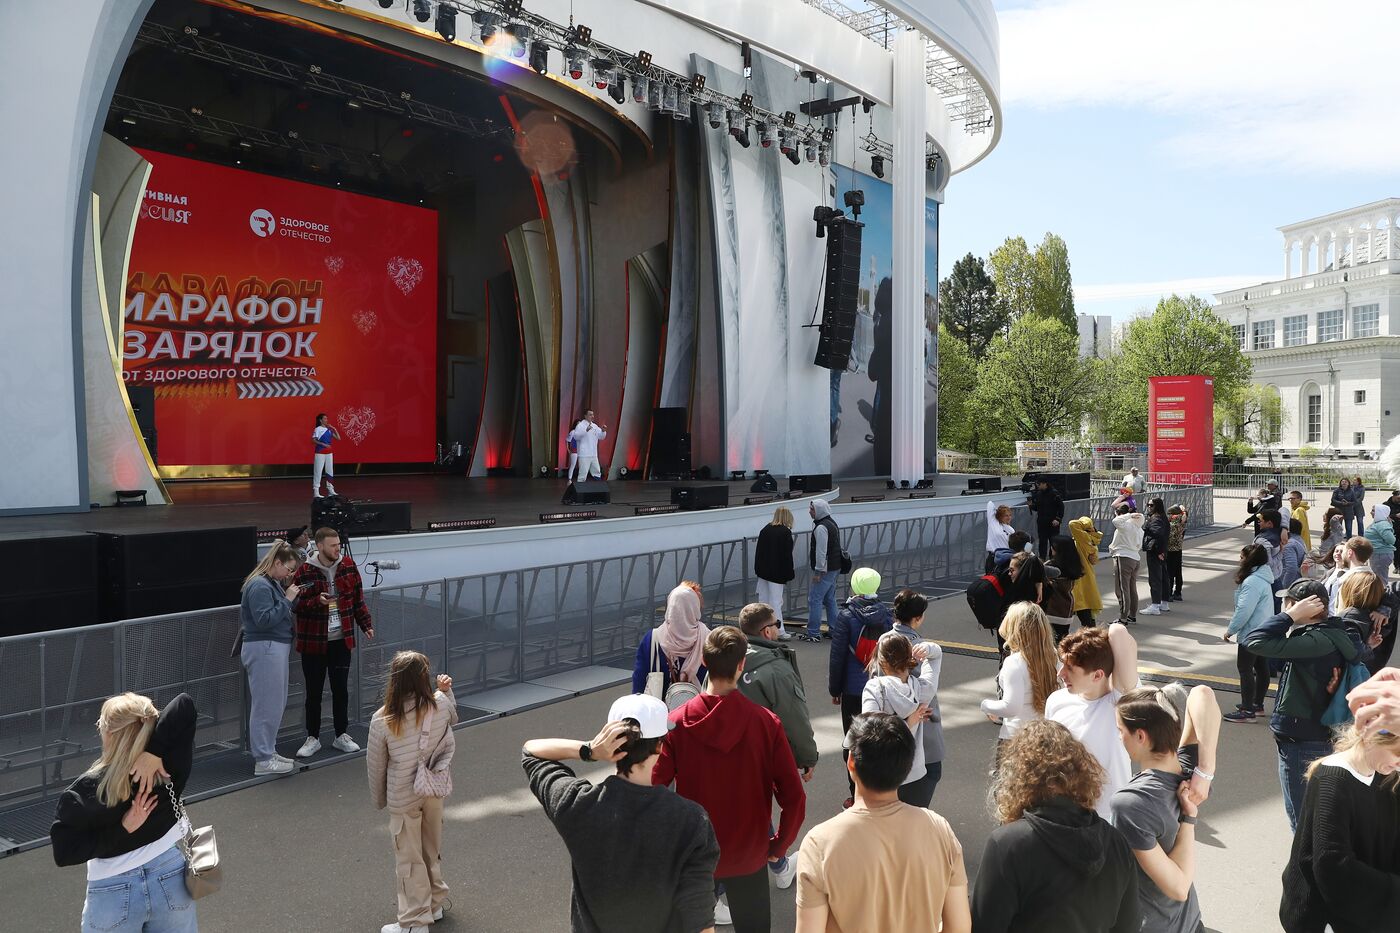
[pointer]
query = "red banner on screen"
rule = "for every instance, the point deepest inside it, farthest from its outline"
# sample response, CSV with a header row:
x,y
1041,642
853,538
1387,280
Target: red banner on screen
x,y
1181,428
253,303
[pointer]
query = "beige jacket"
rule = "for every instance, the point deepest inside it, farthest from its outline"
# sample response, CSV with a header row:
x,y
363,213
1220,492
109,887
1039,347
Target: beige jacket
x,y
393,759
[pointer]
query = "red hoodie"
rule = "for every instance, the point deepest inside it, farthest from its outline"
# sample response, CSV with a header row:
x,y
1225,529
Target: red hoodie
x,y
730,755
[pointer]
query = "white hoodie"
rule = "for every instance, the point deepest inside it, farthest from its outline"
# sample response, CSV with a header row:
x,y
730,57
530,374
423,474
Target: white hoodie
x,y
1127,536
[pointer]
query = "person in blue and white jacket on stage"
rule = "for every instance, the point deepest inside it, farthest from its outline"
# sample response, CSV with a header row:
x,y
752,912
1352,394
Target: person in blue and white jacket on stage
x,y
324,461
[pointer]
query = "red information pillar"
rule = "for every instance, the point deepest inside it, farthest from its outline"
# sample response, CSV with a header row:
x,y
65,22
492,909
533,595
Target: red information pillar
x,y
1181,428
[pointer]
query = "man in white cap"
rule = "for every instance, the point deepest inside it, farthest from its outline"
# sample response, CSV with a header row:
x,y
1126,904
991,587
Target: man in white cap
x,y
643,857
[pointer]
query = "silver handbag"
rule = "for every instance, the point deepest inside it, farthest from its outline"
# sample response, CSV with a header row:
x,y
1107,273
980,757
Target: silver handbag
x,y
203,873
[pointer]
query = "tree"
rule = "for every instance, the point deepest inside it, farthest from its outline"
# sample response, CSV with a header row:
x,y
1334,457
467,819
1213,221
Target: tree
x,y
957,381
1054,289
1182,337
1254,418
1013,273
969,305
1032,384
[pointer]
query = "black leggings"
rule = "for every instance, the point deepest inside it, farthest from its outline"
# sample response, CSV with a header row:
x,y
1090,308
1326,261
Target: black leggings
x,y
1254,677
314,668
748,900
1157,578
850,709
1174,577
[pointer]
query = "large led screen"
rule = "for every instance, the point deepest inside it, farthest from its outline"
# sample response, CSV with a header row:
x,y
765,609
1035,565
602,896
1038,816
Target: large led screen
x,y
254,303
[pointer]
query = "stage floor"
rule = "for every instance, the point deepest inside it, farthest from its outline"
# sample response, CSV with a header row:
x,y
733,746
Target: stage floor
x,y
271,504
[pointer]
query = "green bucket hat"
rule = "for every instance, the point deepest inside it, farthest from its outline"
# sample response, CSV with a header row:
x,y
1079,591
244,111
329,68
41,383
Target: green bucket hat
x,y
865,581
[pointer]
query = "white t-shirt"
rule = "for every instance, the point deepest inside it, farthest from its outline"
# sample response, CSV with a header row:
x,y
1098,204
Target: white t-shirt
x,y
1015,707
1095,723
997,533
588,435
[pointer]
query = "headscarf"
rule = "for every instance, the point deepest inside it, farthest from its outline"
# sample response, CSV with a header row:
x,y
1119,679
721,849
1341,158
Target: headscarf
x,y
1381,513
682,635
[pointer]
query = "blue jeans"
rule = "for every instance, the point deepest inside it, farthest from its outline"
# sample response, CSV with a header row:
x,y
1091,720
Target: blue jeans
x,y
149,899
1293,761
822,593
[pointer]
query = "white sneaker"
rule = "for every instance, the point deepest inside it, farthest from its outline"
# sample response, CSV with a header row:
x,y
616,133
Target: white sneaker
x,y
722,918
283,758
395,928
311,746
330,490
437,914
272,766
1164,607
1152,610
785,877
344,743
784,635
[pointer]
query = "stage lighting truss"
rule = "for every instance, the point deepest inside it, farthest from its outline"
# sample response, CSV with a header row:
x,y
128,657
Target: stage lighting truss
x,y
882,154
663,91
314,78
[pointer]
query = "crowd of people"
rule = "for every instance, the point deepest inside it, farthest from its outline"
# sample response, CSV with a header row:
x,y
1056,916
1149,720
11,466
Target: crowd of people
x,y
1095,780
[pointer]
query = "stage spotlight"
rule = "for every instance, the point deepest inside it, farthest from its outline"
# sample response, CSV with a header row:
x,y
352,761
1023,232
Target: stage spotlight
x,y
714,110
824,154
520,34
446,22
487,25
793,157
573,63
623,473
766,134
654,95
904,484
539,56
682,111
602,73
810,150
385,4
616,90
787,141
639,89
737,123
422,10
736,475
670,101
743,138
877,166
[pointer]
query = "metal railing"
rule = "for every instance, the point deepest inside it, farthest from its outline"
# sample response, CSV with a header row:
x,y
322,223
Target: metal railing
x,y
486,631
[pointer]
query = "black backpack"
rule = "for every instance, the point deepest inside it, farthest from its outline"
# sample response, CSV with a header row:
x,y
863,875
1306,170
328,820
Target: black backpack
x,y
986,596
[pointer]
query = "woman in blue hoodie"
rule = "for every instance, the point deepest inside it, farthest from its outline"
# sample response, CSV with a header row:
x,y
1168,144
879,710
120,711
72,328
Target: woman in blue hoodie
x,y
1254,605
1381,534
846,673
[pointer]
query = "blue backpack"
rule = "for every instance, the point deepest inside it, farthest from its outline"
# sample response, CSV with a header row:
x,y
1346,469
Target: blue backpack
x,y
1338,713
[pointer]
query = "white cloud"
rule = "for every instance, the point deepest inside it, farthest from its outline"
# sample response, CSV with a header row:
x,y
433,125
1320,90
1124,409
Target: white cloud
x,y
1263,84
1205,287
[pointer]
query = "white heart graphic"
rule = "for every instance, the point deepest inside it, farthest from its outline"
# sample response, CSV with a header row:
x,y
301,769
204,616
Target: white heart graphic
x,y
405,273
335,264
365,321
356,423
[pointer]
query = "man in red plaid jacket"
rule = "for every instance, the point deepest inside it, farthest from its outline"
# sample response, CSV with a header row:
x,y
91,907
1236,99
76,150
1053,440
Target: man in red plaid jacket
x,y
331,596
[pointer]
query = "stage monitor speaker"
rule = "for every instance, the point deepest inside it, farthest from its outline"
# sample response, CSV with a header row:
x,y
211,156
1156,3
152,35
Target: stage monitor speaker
x,y
381,518
669,455
838,326
809,482
765,483
1071,486
696,496
49,581
984,484
158,572
591,492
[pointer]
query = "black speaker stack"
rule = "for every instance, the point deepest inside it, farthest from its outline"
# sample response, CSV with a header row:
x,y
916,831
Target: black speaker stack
x,y
1070,486
143,406
588,492
156,572
838,325
48,580
669,457
809,482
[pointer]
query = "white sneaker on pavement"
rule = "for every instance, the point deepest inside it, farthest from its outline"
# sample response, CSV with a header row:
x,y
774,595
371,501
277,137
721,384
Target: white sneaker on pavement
x,y
784,635
344,743
395,928
1152,610
272,766
722,918
311,746
785,877
1164,607
283,758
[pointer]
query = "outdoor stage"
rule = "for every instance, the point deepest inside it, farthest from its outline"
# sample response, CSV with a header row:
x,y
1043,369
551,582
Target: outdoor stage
x,y
272,504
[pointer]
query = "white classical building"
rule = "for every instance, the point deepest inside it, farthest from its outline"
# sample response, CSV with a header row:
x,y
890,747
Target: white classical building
x,y
1326,336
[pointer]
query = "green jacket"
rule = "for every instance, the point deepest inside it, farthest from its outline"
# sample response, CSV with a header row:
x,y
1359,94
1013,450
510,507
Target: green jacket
x,y
771,680
1310,653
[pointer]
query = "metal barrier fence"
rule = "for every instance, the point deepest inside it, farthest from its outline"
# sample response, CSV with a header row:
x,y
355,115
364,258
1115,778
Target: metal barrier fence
x,y
486,631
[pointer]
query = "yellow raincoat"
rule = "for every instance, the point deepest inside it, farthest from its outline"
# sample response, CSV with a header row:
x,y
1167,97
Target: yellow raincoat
x,y
1301,513
1086,542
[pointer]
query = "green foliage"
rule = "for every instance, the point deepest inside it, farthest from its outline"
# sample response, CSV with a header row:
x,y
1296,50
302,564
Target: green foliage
x,y
957,381
1255,416
1032,384
1013,271
1035,281
969,306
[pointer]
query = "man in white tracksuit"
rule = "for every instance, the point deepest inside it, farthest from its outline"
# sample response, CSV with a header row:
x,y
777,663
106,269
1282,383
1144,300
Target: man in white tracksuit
x,y
587,435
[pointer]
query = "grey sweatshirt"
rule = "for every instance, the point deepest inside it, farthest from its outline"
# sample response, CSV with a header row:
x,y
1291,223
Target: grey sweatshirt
x,y
264,612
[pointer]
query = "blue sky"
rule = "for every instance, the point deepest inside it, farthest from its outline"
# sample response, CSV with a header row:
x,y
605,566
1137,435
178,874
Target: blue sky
x,y
1166,143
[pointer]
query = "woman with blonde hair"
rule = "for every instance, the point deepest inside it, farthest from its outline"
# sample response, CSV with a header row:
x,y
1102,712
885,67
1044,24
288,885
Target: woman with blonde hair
x,y
122,822
772,564
266,628
1344,870
902,682
1052,863
1360,595
414,725
1027,676
676,647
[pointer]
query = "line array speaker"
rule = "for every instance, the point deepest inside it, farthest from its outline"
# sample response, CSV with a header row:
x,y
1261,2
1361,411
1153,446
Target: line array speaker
x,y
694,497
153,573
50,581
838,325
809,482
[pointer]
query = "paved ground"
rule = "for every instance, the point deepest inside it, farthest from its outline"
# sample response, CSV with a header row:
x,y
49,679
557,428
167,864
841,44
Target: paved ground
x,y
309,852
